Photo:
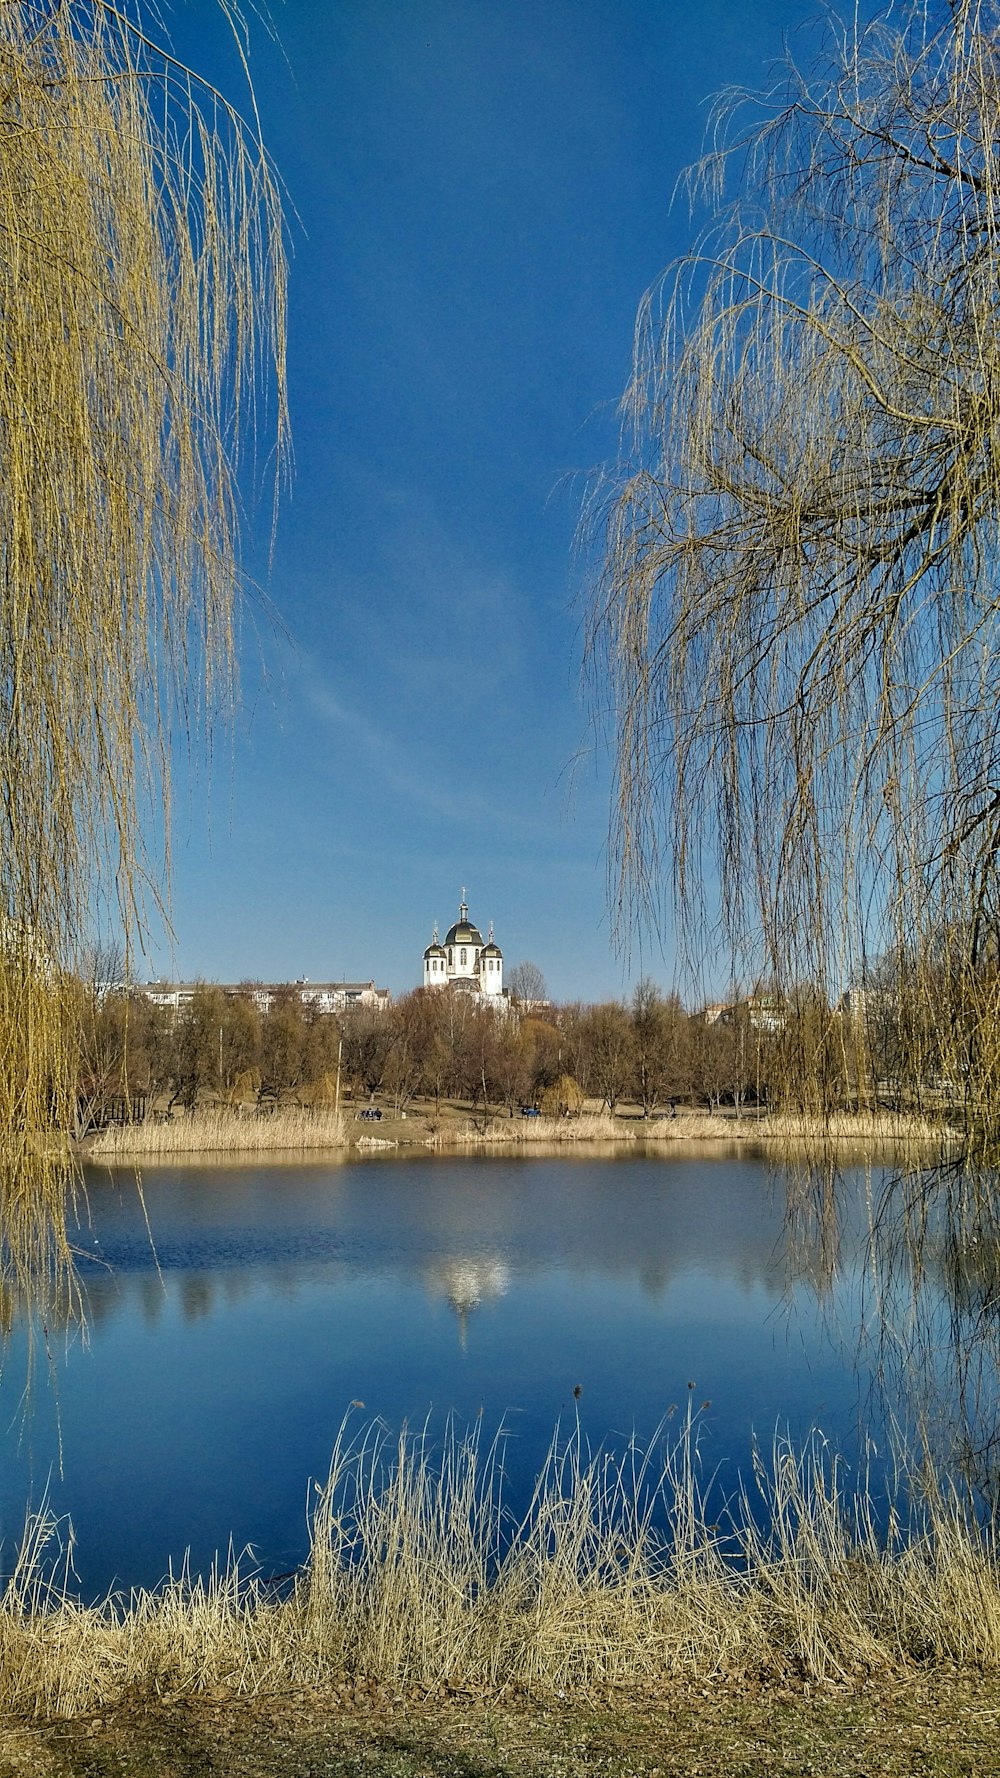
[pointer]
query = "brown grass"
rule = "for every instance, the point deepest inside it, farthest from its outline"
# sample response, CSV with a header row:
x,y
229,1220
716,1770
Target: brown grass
x,y
895,1129
418,1577
220,1132
875,1129
589,1127
295,1130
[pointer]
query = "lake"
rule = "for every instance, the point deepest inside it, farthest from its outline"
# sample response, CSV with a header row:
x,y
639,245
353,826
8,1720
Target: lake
x,y
227,1339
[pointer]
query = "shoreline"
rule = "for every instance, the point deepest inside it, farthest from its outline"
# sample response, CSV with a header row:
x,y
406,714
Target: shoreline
x,y
297,1132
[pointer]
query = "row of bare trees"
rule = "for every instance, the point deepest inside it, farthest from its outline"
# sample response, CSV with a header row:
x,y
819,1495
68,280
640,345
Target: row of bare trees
x,y
433,1046
218,1045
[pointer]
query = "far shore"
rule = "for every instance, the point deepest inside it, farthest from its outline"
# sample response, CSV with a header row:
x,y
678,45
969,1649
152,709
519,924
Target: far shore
x,y
299,1131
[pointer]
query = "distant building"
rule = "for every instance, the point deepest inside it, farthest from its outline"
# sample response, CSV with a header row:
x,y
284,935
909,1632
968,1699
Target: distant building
x,y
762,1012
715,1014
865,1004
464,963
325,996
765,1012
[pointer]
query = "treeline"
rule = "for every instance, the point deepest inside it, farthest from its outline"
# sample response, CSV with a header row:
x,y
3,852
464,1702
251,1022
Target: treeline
x,y
434,1045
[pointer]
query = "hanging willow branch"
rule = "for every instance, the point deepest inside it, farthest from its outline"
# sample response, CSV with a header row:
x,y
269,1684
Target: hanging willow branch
x,y
142,306
795,633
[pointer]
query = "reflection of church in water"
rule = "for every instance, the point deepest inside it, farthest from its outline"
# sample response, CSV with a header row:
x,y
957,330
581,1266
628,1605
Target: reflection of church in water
x,y
464,963
465,1283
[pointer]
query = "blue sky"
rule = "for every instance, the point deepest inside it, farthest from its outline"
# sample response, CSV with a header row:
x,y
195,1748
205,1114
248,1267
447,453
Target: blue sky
x,y
483,193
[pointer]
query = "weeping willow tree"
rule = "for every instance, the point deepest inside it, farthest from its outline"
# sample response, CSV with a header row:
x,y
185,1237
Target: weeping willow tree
x,y
142,289
795,628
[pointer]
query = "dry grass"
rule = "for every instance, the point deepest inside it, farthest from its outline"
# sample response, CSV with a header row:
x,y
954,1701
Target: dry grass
x,y
589,1127
220,1132
616,1576
898,1130
596,1126
852,1126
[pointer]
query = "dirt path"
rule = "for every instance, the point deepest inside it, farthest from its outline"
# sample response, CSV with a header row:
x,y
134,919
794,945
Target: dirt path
x,y
945,1726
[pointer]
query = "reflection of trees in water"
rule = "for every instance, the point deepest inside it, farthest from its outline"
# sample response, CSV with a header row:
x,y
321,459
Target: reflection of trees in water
x,y
814,1226
197,1295
930,1308
105,1293
152,1298
680,1222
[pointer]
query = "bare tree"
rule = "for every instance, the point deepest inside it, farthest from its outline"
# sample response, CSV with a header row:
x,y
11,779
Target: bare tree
x,y
795,630
611,1051
199,1044
526,983
661,1044
513,1061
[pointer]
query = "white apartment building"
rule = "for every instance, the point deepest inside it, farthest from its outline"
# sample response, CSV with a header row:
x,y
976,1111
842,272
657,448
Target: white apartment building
x,y
326,996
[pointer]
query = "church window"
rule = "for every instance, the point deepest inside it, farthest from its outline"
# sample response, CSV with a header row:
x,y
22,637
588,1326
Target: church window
x,y
463,957
451,957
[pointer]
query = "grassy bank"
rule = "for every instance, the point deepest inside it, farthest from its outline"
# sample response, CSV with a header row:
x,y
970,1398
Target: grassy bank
x,y
615,1581
877,1127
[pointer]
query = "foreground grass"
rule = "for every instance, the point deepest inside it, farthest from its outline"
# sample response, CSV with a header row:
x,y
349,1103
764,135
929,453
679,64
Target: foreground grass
x,y
614,1583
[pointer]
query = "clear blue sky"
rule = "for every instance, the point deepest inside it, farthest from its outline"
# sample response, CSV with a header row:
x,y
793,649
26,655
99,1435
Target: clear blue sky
x,y
483,193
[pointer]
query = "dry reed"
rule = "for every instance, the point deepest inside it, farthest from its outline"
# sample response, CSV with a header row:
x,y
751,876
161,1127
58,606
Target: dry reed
x,y
619,1574
894,1129
589,1127
889,1129
220,1132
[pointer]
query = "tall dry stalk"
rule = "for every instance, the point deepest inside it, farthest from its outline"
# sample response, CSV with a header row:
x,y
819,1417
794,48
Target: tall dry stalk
x,y
142,289
290,1130
794,633
618,1575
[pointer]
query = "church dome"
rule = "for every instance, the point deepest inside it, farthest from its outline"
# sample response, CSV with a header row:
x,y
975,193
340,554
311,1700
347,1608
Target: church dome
x,y
434,950
463,932
492,950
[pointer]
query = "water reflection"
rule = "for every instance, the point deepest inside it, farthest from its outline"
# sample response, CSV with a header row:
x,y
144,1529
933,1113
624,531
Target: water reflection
x,y
224,1352
465,1283
466,1231
928,1312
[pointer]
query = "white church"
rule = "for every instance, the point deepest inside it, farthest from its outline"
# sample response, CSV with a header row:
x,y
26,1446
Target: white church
x,y
464,963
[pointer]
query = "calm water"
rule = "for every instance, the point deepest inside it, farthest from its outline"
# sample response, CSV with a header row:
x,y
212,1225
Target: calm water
x,y
217,1368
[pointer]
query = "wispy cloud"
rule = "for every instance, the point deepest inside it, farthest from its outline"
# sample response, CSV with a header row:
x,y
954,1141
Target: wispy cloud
x,y
529,812
385,754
